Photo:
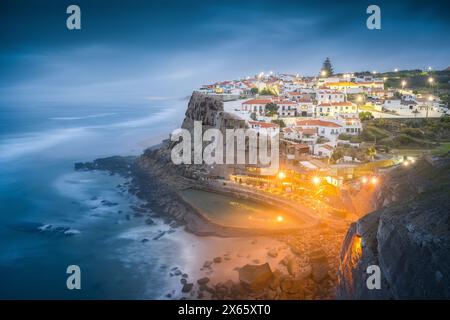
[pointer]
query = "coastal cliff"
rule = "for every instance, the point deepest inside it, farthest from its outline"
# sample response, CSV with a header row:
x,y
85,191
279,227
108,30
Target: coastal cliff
x,y
408,237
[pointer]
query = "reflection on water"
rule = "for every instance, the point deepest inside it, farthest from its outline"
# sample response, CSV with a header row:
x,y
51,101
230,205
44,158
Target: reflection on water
x,y
232,212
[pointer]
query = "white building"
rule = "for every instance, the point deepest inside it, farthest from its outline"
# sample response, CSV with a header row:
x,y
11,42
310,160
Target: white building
x,y
335,109
308,136
260,127
286,108
257,106
323,150
351,125
325,96
393,104
328,129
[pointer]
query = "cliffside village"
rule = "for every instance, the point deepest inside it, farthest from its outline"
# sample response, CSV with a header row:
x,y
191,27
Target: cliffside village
x,y
317,115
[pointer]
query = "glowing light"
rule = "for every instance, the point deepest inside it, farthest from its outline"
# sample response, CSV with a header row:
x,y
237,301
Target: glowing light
x,y
406,163
395,70
429,68
403,83
323,73
316,180
385,78
357,245
374,72
430,80
430,98
374,180
281,175
280,218
359,98
364,180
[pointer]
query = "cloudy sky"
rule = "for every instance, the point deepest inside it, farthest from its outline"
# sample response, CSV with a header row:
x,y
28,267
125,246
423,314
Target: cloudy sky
x,y
138,51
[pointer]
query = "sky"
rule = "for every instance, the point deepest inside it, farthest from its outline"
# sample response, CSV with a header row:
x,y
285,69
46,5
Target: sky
x,y
142,51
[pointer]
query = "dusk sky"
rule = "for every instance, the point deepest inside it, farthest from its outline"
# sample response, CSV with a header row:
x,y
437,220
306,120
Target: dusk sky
x,y
139,51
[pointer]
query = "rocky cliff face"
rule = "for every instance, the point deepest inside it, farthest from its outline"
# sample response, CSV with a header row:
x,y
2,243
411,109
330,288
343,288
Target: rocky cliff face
x,y
408,237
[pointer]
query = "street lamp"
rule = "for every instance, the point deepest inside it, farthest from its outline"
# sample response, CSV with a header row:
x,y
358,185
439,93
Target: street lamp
x,y
316,180
323,73
395,70
403,84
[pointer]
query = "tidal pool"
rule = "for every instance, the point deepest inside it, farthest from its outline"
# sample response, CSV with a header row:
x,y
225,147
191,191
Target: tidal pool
x,y
232,212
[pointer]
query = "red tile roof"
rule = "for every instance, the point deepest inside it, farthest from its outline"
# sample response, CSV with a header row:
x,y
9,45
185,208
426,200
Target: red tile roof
x,y
318,123
257,101
263,124
336,104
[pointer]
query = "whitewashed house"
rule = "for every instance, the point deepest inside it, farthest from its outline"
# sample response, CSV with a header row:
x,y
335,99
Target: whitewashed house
x,y
323,150
335,109
325,96
257,106
328,129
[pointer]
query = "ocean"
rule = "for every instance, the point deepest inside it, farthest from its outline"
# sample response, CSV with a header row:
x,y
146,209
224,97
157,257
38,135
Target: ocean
x,y
52,216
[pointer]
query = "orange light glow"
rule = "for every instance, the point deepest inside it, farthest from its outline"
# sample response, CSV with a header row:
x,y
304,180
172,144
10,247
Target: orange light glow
x,y
374,180
357,245
406,163
364,180
280,218
281,175
316,180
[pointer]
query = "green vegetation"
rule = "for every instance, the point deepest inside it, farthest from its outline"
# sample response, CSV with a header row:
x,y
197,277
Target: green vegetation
x,y
253,116
327,68
443,149
254,91
279,122
268,92
271,109
406,133
365,115
345,136
418,79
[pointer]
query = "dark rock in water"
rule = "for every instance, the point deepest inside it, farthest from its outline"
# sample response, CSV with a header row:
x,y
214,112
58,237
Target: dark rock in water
x,y
174,268
183,281
159,235
408,240
203,281
255,277
217,260
177,272
94,198
109,203
127,217
45,229
149,221
187,287
144,240
168,295
116,164
185,275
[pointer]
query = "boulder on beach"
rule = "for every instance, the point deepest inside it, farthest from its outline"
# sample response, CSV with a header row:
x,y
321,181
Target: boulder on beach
x,y
255,277
319,264
187,287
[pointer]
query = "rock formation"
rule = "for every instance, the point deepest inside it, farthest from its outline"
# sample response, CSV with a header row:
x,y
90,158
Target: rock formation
x,y
408,237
